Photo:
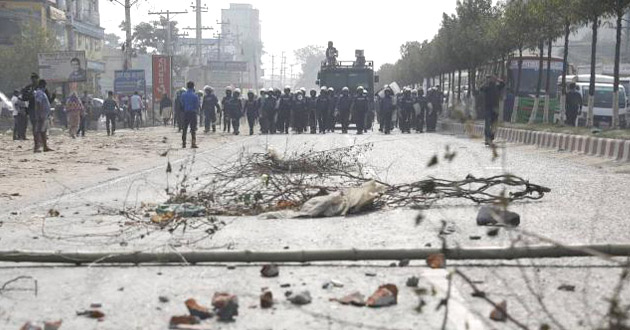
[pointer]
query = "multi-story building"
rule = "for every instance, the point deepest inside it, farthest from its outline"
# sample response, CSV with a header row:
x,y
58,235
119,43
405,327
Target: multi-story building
x,y
242,41
75,23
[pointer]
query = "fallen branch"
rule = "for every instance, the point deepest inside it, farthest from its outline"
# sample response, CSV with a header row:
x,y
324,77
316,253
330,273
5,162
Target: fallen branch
x,y
194,257
23,277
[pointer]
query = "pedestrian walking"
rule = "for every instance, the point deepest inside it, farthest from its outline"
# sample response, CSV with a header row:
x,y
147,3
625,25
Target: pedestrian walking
x,y
74,110
574,105
268,122
166,109
234,110
110,109
190,110
210,107
226,116
360,106
491,90
343,106
387,105
40,118
251,109
136,105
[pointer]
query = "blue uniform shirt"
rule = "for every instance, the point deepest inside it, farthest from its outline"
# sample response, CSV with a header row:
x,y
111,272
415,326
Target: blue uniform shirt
x,y
190,101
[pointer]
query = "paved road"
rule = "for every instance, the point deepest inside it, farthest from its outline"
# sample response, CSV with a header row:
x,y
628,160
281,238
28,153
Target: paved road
x,y
586,205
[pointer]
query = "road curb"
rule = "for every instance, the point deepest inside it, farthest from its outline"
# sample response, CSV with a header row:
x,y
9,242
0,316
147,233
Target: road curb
x,y
613,149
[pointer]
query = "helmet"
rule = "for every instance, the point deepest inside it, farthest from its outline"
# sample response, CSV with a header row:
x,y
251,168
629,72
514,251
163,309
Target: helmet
x,y
313,92
303,90
270,90
360,89
250,92
323,88
330,89
238,90
228,88
207,88
184,89
414,91
287,89
345,89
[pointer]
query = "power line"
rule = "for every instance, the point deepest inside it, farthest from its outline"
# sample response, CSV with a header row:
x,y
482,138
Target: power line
x,y
169,26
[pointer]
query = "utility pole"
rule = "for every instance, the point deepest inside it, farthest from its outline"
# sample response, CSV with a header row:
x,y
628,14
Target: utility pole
x,y
283,70
198,28
127,5
273,63
220,36
169,33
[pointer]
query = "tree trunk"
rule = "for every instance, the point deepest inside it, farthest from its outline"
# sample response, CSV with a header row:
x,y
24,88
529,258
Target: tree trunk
x,y
502,97
565,68
517,90
459,86
615,118
548,84
591,88
473,87
534,114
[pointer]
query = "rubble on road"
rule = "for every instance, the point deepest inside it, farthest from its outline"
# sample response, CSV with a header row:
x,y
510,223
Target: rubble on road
x,y
354,299
271,270
177,321
492,215
225,306
300,298
412,282
92,314
332,284
499,314
385,295
266,299
197,310
436,261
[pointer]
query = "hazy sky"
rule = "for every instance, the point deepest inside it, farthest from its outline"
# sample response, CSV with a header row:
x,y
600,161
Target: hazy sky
x,y
289,25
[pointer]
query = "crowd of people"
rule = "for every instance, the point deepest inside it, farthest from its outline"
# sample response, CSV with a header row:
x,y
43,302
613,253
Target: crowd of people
x,y
281,112
271,111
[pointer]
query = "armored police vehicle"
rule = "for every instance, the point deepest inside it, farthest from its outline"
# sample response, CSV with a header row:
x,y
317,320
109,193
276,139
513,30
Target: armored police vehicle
x,y
351,74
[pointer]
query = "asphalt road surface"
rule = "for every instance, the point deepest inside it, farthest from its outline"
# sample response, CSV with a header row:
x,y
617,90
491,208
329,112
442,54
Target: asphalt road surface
x,y
587,204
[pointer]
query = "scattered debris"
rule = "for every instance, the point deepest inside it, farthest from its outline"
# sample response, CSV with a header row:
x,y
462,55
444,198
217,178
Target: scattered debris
x,y
231,267
113,169
436,261
566,287
499,314
266,299
479,294
393,264
300,298
92,314
270,270
493,232
96,305
163,299
386,295
369,274
421,304
197,310
434,161
176,321
52,325
53,213
413,281
186,210
285,285
492,215
403,263
225,305
30,326
332,283
354,299
474,238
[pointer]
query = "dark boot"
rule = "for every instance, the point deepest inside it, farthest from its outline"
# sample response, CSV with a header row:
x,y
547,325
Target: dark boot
x,y
194,141
36,142
44,139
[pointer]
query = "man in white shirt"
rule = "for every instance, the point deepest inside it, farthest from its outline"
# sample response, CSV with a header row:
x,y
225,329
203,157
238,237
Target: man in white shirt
x,y
19,117
136,110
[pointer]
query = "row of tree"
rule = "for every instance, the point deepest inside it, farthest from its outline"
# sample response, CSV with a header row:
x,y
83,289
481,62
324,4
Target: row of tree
x,y
480,33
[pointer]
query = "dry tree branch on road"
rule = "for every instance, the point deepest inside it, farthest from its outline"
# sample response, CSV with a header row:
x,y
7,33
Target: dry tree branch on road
x,y
261,182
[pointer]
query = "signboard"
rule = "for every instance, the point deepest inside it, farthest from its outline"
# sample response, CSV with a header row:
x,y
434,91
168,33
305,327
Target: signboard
x,y
63,66
161,77
534,64
230,66
129,81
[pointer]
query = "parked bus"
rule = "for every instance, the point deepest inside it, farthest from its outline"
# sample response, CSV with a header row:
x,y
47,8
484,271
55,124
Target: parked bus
x,y
603,105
